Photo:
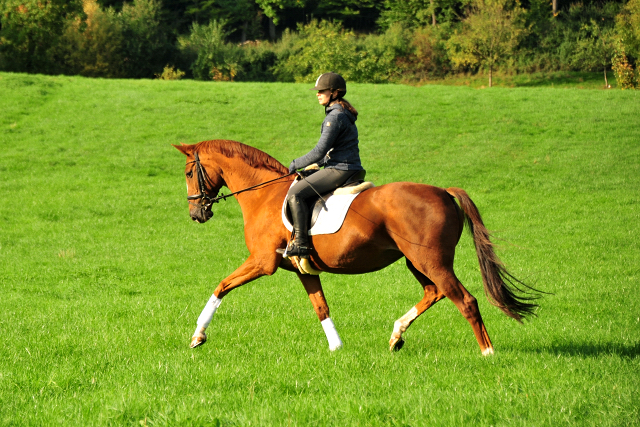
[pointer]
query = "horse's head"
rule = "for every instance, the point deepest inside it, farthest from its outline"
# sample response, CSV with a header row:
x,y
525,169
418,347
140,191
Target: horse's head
x,y
203,183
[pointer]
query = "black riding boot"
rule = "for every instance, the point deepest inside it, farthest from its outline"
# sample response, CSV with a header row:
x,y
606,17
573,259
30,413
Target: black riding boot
x,y
300,214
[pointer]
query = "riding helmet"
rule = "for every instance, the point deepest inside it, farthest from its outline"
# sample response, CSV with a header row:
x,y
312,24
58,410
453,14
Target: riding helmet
x,y
332,81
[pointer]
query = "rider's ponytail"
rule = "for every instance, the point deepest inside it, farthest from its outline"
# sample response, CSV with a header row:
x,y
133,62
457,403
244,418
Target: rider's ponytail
x,y
347,106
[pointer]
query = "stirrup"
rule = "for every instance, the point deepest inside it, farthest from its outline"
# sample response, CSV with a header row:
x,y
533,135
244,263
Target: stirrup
x,y
294,250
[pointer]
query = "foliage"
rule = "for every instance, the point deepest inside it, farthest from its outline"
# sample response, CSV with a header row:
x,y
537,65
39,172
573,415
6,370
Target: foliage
x,y
272,8
145,46
628,26
92,47
623,70
320,47
595,49
428,57
30,29
257,62
239,15
137,39
128,43
170,73
490,32
211,57
420,13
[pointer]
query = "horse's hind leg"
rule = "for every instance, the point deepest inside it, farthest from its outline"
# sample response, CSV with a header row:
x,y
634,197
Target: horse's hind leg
x,y
314,289
431,296
450,286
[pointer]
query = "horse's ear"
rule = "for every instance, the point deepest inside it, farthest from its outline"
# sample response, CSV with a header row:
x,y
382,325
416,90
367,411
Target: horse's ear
x,y
184,149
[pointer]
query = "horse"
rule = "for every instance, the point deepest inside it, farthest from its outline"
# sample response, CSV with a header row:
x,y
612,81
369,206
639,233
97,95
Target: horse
x,y
419,222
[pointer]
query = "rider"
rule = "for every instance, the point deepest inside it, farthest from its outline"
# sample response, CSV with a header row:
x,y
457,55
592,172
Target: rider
x,y
337,150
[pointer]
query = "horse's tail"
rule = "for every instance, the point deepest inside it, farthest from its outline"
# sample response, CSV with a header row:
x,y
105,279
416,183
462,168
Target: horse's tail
x,y
502,289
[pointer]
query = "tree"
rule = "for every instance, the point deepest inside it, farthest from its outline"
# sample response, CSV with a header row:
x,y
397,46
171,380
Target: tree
x,y
319,47
489,34
145,47
628,27
29,29
272,10
595,49
419,13
91,46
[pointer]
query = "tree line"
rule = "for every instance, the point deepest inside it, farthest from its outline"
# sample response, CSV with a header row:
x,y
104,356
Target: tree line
x,y
296,40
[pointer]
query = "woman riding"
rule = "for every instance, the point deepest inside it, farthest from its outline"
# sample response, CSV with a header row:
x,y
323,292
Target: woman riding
x,y
337,150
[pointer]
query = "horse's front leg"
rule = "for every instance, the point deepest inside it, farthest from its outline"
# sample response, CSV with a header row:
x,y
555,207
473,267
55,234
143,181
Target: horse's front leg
x,y
314,289
251,269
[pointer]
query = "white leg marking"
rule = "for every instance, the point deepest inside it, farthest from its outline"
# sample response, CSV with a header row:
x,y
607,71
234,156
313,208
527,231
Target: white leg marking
x,y
403,323
487,352
207,313
332,334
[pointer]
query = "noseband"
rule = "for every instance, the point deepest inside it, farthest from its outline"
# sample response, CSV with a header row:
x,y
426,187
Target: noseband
x,y
203,179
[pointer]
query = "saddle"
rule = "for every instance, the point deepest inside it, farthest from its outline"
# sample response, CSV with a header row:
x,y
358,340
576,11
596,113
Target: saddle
x,y
332,207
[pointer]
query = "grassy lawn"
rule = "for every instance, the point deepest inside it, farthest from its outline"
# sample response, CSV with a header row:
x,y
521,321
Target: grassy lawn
x,y
103,274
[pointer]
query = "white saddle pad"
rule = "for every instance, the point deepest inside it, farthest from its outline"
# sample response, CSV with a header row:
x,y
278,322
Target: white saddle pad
x,y
330,219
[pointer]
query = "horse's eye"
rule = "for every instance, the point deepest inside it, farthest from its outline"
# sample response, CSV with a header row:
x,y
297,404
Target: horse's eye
x,y
189,174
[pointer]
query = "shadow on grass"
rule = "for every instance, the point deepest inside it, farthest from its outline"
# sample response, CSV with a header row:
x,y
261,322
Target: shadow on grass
x,y
568,348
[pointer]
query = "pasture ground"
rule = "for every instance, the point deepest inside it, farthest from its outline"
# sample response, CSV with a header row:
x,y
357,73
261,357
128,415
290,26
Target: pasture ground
x,y
103,274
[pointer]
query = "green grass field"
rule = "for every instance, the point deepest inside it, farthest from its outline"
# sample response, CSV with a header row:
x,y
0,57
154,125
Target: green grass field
x,y
103,274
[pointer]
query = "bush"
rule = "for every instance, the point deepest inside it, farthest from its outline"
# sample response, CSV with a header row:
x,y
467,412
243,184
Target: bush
x,y
625,77
324,46
91,46
257,62
428,57
130,43
210,57
628,27
379,55
30,29
319,47
145,47
170,73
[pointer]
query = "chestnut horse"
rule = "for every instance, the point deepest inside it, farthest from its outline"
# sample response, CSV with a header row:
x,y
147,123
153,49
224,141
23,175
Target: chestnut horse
x,y
419,222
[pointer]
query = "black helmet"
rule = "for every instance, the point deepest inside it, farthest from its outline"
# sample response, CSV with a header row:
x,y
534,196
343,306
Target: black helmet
x,y
331,81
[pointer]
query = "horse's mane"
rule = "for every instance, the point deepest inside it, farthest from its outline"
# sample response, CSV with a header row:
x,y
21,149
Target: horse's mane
x,y
253,156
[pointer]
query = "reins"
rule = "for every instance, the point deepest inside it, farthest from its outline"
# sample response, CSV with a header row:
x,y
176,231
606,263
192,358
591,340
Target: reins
x,y
203,178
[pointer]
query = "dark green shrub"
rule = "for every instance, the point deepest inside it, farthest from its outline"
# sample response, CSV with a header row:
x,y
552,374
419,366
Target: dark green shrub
x,y
320,46
379,55
257,62
30,29
92,46
145,48
427,57
210,56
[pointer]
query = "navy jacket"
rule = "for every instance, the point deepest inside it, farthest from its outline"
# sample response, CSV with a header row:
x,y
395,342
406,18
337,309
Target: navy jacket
x,y
338,144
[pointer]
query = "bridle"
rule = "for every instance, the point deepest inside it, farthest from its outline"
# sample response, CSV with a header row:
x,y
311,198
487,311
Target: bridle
x,y
203,179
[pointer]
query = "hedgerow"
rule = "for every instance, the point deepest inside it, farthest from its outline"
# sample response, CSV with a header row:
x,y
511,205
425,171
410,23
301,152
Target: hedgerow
x,y
81,37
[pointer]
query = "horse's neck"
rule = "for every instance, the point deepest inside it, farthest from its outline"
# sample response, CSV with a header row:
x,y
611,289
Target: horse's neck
x,y
238,175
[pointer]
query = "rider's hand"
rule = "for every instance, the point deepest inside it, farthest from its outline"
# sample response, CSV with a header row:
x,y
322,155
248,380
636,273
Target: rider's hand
x,y
292,167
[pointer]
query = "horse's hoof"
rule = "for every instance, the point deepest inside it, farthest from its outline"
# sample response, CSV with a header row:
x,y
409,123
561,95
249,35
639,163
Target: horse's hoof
x,y
335,347
198,340
488,352
396,344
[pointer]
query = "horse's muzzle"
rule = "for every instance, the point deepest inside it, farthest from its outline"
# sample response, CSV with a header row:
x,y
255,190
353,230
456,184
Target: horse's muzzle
x,y
201,214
